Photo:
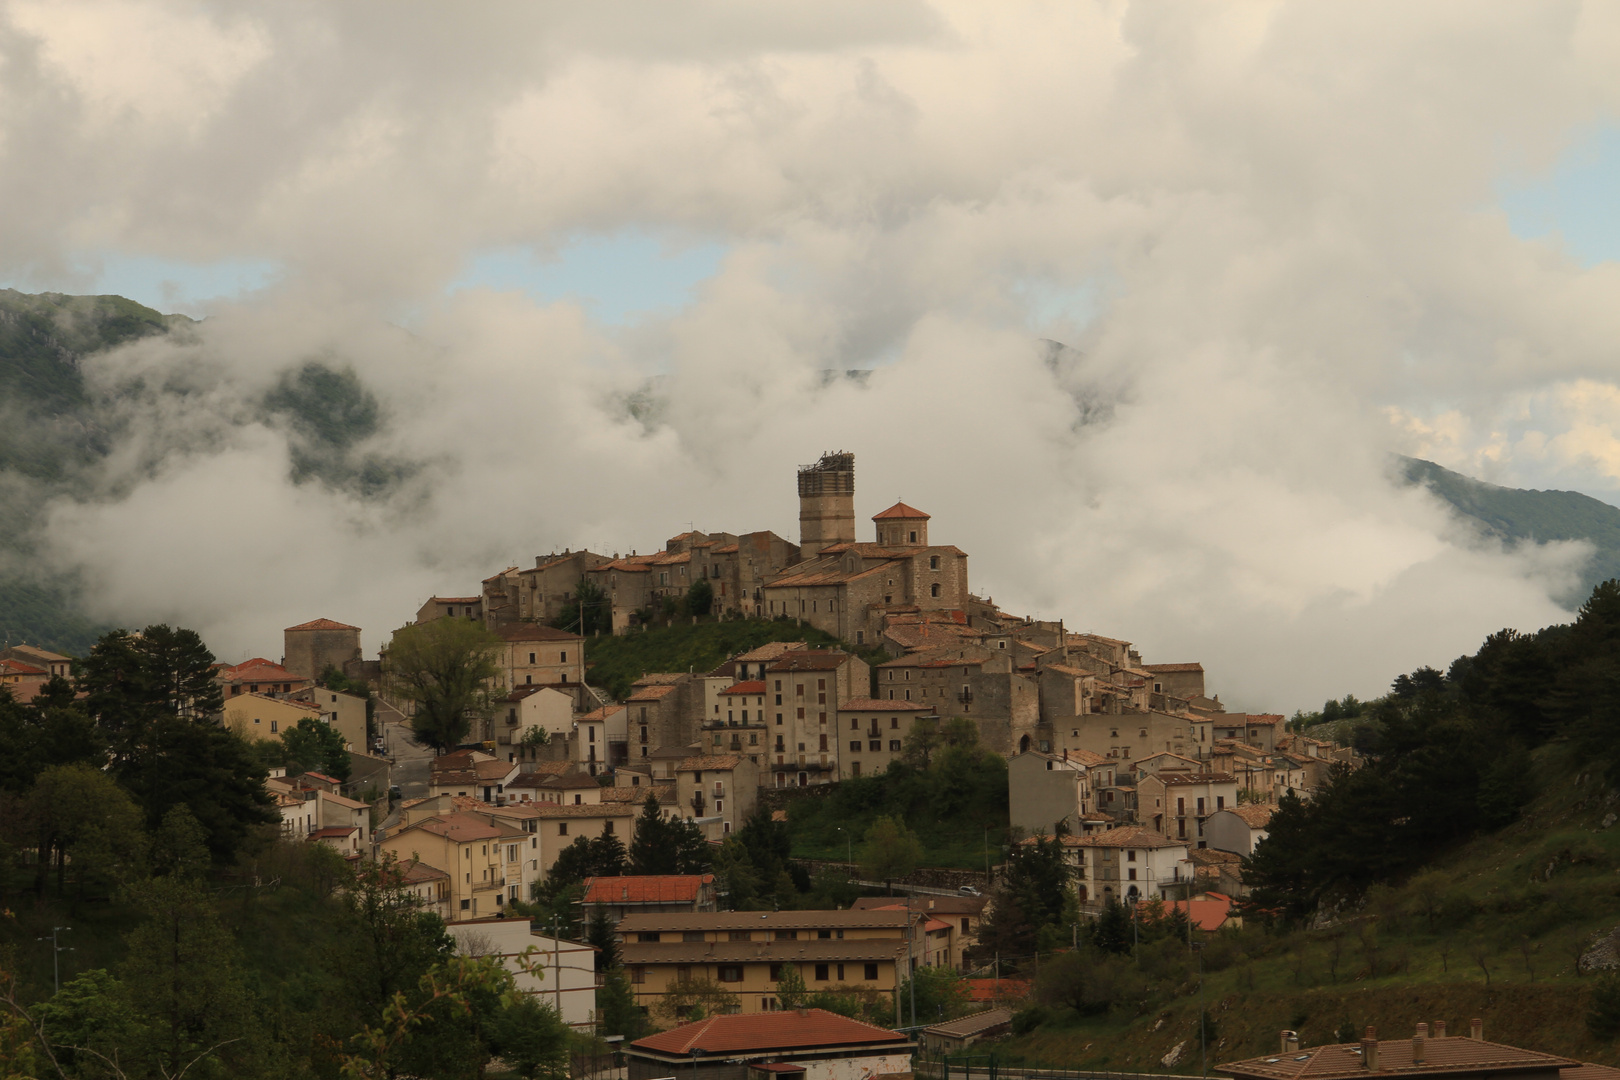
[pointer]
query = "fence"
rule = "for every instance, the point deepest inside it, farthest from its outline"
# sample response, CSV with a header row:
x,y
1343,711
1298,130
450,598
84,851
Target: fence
x,y
994,1067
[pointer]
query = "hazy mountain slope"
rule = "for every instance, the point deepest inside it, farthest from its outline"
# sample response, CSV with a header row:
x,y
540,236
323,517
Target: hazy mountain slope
x,y
1519,514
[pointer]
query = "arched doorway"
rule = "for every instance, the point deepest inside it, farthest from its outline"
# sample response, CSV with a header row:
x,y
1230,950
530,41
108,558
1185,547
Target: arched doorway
x,y
1023,745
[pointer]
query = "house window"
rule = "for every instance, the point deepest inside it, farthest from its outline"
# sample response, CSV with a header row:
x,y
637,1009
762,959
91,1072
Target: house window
x,y
731,973
787,935
894,746
465,904
871,971
638,975
824,744
821,972
647,937
273,725
776,972
607,828
563,657
933,590
876,745
562,828
854,746
531,658
854,768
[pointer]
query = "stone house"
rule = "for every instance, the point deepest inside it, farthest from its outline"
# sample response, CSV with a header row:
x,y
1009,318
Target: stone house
x,y
259,717
870,737
483,859
450,607
718,791
535,655
471,774
965,914
1177,804
55,665
1426,1053
1177,680
312,647
22,679
1049,791
804,691
1238,828
258,676
343,711
599,738
1127,864
737,725
550,588
1128,737
528,708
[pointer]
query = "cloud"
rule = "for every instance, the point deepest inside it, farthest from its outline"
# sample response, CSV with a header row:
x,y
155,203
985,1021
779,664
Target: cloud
x,y
1278,217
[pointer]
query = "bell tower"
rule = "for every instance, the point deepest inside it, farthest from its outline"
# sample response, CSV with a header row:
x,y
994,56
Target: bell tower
x,y
826,503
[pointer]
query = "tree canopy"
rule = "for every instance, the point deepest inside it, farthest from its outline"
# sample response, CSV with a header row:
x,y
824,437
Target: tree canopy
x,y
443,667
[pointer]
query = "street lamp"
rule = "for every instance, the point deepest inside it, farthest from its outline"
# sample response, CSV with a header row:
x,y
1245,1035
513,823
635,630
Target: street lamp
x,y
56,957
1203,1062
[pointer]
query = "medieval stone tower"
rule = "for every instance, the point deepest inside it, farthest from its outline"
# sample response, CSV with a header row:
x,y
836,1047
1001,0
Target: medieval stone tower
x,y
826,503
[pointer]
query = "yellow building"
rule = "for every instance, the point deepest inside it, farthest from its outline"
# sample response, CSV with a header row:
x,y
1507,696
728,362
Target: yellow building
x,y
747,952
483,858
256,717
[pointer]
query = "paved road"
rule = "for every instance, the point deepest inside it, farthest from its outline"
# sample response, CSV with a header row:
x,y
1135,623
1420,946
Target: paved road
x,y
410,760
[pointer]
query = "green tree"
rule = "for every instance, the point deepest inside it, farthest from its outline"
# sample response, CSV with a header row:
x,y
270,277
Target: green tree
x,y
443,667
134,681
942,993
180,845
88,1022
315,746
598,609
210,769
586,857
791,993
87,821
600,934
694,999
920,744
1112,931
891,851
388,942
1603,1016
1089,982
616,1010
699,598
184,983
662,846
736,874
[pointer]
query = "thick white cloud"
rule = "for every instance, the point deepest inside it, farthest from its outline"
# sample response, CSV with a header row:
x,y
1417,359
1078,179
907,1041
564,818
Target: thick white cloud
x,y
1280,216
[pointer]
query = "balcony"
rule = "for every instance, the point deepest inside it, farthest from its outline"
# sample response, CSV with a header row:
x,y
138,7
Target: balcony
x,y
489,886
965,697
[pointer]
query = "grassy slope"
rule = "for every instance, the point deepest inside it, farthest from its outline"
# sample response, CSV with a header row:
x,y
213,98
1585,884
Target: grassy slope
x,y
617,661
1550,882
1518,514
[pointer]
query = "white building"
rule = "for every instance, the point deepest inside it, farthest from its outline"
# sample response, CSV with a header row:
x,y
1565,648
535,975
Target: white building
x,y
560,973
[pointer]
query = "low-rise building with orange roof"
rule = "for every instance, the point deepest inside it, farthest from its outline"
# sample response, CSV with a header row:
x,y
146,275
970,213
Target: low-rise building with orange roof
x,y
654,893
1178,803
600,738
807,1044
536,655
53,663
1239,828
1048,793
258,676
1427,1053
22,679
1127,864
261,718
451,607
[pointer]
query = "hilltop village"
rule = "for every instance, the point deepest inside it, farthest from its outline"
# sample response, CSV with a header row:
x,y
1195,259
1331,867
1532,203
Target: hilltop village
x,y
1152,787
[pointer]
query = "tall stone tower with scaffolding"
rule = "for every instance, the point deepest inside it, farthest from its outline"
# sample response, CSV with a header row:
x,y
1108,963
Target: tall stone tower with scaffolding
x,y
826,503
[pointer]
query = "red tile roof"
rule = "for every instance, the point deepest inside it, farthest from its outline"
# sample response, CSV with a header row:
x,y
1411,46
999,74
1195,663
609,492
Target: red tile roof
x,y
534,632
646,888
710,763
1167,669
742,1033
812,660
997,989
902,511
1453,1055
753,686
323,624
17,667
866,704
455,599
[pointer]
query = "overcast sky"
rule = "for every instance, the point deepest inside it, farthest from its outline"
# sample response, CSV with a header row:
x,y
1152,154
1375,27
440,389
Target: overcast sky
x,y
1282,240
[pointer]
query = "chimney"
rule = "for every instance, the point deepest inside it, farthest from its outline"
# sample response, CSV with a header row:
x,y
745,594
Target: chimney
x,y
1369,1049
1289,1040
1439,1029
1476,1028
1418,1039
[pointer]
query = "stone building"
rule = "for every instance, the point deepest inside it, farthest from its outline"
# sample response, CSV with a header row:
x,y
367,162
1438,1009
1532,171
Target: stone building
x,y
871,735
314,646
550,588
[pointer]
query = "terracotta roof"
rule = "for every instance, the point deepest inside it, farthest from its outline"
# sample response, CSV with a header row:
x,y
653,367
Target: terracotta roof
x,y
323,624
745,1032
1173,779
1126,836
455,600
527,690
1589,1071
820,950
1450,1055
17,667
937,905
459,827
332,832
584,810
646,888
352,804
1254,815
1168,669
415,872
866,704
902,511
1208,912
770,651
945,656
538,771
637,796
972,1025
992,989
761,920
650,693
753,686
534,632
710,762
44,655
812,660
600,714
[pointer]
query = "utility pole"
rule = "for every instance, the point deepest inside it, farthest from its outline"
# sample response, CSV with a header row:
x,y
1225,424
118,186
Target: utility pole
x,y
56,957
556,964
913,965
1203,1060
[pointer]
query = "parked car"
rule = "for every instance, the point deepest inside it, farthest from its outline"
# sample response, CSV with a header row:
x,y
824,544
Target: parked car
x,y
968,890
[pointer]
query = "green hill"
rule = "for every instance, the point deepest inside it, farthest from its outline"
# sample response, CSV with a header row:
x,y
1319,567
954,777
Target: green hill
x,y
1518,514
1522,903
